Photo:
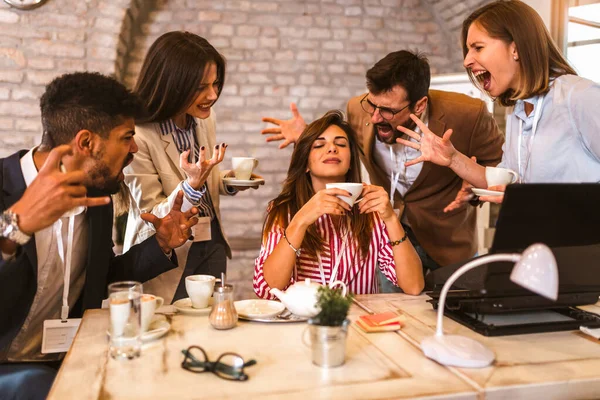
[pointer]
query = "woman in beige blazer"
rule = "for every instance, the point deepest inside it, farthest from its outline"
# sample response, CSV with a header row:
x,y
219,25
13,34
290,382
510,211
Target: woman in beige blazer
x,y
181,78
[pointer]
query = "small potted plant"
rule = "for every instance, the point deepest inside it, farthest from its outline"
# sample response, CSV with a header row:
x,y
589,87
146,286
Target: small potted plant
x,y
329,328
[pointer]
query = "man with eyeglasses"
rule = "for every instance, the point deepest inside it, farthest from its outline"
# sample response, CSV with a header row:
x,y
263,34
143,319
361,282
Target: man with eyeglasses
x,y
428,198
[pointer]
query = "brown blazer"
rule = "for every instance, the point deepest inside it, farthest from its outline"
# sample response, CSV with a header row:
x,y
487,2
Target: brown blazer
x,y
447,237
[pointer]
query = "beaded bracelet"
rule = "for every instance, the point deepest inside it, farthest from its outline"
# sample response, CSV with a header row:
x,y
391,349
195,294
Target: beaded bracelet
x,y
397,242
296,250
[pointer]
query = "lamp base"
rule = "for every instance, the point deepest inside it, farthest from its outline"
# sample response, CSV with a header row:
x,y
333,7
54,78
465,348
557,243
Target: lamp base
x,y
457,351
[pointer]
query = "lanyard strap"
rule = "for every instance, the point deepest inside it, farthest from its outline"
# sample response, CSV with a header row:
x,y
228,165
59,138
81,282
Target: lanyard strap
x,y
395,177
334,271
537,114
64,313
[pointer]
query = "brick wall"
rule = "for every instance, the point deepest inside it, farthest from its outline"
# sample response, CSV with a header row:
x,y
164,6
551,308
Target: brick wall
x,y
312,52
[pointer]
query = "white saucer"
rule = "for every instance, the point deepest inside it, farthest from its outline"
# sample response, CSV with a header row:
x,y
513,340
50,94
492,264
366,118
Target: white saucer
x,y
243,182
157,329
184,306
258,308
485,192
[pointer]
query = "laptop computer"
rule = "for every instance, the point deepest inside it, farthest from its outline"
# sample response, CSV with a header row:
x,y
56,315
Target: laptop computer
x,y
566,217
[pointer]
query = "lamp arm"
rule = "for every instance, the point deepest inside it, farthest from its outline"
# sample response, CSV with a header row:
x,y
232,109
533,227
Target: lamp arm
x,y
467,267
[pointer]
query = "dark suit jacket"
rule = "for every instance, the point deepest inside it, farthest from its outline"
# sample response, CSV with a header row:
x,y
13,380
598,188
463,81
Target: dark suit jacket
x,y
447,237
18,277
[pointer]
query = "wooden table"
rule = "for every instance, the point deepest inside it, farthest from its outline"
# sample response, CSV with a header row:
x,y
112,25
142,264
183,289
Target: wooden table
x,y
378,366
558,365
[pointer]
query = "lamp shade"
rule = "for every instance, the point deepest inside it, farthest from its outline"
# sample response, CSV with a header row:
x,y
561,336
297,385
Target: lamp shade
x,y
537,271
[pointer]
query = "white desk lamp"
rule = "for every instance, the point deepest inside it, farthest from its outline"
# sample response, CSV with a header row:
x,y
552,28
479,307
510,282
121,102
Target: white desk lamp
x,y
535,270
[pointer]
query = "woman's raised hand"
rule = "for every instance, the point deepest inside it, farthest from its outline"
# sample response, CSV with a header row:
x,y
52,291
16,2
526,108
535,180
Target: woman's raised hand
x,y
198,172
438,150
376,199
323,202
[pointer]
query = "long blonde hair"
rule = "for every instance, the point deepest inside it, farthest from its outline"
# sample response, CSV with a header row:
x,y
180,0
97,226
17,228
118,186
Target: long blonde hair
x,y
540,60
297,188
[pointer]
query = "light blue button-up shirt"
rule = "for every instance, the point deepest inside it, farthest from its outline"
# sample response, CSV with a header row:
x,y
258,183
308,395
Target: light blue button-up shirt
x,y
566,146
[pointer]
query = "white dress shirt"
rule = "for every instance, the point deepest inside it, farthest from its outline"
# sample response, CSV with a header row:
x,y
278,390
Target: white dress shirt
x,y
47,303
395,164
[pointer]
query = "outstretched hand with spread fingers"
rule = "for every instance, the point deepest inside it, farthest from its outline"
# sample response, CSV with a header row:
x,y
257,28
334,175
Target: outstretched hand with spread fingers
x,y
287,130
174,229
199,171
438,150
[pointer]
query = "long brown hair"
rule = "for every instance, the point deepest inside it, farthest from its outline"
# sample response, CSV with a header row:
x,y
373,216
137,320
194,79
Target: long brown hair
x,y
172,72
297,188
540,60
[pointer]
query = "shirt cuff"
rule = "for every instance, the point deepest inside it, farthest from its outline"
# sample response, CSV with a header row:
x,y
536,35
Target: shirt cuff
x,y
193,195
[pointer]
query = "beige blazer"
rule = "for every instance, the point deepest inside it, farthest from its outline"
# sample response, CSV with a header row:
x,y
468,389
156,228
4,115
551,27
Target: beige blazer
x,y
447,237
154,178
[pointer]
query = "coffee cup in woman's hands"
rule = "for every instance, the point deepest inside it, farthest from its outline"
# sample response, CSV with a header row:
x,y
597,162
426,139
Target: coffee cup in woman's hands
x,y
355,189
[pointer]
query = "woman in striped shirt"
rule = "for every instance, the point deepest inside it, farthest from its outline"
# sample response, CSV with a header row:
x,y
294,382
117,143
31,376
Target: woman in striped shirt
x,y
310,233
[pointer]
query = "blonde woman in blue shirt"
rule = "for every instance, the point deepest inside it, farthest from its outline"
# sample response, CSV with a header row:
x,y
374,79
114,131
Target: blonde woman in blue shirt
x,y
553,128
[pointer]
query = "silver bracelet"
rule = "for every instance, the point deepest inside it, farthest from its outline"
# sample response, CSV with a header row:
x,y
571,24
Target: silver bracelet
x,y
297,251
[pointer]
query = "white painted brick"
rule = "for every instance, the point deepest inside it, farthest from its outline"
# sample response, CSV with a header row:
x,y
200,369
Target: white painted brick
x,y
235,18
350,11
48,48
221,30
107,24
209,16
19,109
8,17
306,55
253,66
25,94
259,78
307,79
4,93
318,33
71,65
6,124
268,42
28,125
340,34
270,90
285,80
244,43
298,91
249,90
233,101
74,35
11,76
264,6
248,30
12,57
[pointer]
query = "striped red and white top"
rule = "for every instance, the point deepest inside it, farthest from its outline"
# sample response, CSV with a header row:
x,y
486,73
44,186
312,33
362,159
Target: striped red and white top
x,y
358,273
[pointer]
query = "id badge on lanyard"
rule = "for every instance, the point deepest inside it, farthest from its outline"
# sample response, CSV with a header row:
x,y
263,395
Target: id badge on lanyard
x,y
58,334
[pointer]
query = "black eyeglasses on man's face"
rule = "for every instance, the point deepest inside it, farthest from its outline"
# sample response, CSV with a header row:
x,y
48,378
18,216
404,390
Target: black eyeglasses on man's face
x,y
385,112
228,366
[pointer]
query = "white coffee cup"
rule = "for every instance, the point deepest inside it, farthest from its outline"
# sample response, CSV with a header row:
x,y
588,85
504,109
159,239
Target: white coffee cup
x,y
500,176
354,188
149,304
200,289
243,167
120,308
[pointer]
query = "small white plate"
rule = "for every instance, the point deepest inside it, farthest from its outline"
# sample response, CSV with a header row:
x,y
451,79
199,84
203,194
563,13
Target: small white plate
x,y
184,306
258,308
157,329
243,182
485,192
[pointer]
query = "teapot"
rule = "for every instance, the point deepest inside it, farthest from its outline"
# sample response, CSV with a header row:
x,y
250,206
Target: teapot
x,y
301,297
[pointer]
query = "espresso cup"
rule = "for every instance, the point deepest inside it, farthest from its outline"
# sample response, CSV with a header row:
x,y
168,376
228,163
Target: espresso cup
x,y
243,167
354,188
149,305
500,176
200,289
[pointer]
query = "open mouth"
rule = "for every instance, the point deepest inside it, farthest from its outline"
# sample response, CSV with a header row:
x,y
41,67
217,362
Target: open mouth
x,y
484,78
385,133
205,107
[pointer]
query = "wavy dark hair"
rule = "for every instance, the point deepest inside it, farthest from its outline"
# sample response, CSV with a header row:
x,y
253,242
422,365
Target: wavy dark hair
x,y
298,190
84,100
540,60
172,72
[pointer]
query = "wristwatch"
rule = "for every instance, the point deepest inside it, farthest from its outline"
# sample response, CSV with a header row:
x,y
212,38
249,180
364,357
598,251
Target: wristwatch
x,y
9,228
